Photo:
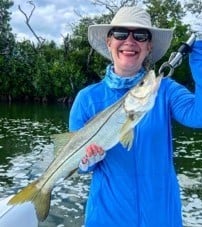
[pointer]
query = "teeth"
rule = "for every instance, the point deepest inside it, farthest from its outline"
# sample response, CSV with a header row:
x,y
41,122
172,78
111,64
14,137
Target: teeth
x,y
129,52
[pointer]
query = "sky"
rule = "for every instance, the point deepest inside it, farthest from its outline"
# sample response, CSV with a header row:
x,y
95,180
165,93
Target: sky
x,y
51,19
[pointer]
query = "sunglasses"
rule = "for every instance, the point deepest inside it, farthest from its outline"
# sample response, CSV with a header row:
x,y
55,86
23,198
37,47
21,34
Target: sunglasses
x,y
140,35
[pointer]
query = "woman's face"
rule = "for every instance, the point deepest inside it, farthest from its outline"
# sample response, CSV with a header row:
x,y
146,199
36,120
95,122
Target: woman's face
x,y
129,54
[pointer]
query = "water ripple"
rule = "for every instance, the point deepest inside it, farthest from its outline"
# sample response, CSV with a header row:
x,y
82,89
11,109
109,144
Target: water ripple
x,y
26,150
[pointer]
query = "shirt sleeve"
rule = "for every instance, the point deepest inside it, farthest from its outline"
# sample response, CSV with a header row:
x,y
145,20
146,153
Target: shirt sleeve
x,y
78,114
78,117
195,61
186,107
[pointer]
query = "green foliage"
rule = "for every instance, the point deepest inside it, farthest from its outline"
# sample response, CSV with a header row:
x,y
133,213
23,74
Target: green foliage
x,y
164,13
6,37
169,14
50,72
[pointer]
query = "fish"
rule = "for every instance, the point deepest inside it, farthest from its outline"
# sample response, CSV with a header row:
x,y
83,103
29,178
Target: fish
x,y
112,125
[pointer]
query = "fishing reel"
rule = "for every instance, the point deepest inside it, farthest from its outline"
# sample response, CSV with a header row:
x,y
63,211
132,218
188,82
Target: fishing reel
x,y
176,57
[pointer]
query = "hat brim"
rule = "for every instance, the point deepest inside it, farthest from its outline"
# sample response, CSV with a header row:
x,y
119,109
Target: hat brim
x,y
161,39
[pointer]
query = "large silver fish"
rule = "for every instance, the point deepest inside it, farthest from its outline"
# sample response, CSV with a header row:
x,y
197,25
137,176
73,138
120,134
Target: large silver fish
x,y
112,125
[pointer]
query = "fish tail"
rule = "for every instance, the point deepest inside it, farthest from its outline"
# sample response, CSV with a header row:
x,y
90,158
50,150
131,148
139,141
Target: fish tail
x,y
39,198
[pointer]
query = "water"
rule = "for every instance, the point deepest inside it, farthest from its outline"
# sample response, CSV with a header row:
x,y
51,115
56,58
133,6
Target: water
x,y
26,149
188,159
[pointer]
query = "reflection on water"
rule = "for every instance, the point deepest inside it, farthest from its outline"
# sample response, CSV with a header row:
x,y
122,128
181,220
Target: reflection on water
x,y
26,150
189,166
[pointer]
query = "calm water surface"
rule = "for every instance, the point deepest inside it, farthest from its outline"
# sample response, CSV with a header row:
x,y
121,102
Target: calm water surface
x,y
26,150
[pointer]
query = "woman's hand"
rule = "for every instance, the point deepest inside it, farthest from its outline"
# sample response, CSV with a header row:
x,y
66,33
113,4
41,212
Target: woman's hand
x,y
94,154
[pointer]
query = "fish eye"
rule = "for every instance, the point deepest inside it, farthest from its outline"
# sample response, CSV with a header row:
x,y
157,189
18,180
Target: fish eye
x,y
141,83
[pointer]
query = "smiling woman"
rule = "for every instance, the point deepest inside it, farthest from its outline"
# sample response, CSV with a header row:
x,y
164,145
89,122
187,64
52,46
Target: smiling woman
x,y
129,57
130,188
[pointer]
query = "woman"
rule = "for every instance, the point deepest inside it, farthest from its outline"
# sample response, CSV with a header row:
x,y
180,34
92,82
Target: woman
x,y
139,187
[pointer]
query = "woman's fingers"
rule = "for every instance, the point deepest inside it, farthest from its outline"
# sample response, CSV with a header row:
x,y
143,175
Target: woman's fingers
x,y
94,154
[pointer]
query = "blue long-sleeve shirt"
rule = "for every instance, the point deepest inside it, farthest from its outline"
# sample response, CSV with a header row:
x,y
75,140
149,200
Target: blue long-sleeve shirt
x,y
139,188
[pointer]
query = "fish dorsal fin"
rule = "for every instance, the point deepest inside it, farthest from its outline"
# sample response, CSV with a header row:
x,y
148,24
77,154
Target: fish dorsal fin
x,y
60,140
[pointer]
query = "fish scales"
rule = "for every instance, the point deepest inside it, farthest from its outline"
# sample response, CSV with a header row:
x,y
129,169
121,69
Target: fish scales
x,y
110,126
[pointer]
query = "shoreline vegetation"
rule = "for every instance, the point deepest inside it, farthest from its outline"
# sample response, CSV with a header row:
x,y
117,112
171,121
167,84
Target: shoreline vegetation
x,y
45,72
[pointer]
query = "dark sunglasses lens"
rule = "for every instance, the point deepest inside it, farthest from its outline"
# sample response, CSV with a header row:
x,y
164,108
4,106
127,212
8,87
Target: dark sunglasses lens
x,y
140,37
120,35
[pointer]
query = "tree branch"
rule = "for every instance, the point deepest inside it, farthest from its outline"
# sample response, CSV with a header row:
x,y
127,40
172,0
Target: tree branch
x,y
40,39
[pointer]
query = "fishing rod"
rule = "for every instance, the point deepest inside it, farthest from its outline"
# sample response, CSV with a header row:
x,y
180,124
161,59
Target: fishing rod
x,y
176,57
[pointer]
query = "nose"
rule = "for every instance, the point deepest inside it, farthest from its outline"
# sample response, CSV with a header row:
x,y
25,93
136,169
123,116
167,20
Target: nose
x,y
130,37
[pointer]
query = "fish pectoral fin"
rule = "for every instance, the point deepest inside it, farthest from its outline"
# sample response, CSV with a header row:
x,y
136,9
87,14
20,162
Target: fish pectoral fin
x,y
127,139
127,132
31,193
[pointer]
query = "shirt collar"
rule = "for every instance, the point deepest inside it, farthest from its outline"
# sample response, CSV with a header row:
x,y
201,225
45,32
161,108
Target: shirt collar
x,y
118,82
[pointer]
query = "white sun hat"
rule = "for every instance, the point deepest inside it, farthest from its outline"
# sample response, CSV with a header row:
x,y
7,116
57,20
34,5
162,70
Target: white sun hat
x,y
130,17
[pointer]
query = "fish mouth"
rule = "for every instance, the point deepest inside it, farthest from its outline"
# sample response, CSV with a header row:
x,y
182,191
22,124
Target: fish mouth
x,y
141,97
